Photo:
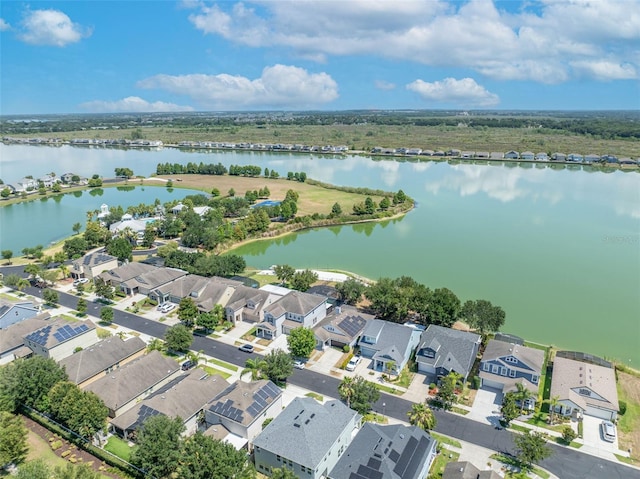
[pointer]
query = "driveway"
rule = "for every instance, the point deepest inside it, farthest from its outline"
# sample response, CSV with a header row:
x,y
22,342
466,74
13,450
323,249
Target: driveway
x,y
486,406
592,436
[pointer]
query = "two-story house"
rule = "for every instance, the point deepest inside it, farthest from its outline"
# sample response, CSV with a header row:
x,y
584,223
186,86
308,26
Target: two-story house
x,y
12,313
59,338
504,364
92,264
307,437
389,345
294,310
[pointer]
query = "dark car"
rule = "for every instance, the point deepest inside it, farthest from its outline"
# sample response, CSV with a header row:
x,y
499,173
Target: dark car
x,y
247,348
187,365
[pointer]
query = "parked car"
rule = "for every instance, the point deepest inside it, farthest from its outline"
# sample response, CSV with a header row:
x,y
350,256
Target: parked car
x,y
608,431
80,281
298,364
353,362
187,365
167,307
246,348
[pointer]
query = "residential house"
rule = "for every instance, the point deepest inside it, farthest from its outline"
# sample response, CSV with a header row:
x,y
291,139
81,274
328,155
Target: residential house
x,y
26,184
466,470
558,157
467,154
12,313
443,350
12,344
205,292
137,227
585,385
199,210
185,397
454,152
527,156
389,345
292,311
60,338
575,157
123,387
483,155
307,437
387,452
242,408
341,328
496,155
504,364
48,180
512,155
542,156
248,304
591,158
92,264
609,158
101,358
134,278
68,177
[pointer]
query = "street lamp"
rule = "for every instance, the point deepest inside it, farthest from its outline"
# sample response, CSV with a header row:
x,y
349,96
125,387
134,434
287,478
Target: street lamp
x,y
384,405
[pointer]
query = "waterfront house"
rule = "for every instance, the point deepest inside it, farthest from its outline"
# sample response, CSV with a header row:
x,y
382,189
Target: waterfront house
x,y
542,156
60,338
511,155
443,350
101,358
591,158
387,452
483,155
504,364
496,155
558,157
308,438
26,184
248,304
291,311
575,157
585,385
527,155
341,328
92,264
389,345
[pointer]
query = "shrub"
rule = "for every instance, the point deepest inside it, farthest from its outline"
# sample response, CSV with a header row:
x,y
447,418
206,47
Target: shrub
x,y
346,348
55,445
568,434
65,453
476,382
623,407
432,386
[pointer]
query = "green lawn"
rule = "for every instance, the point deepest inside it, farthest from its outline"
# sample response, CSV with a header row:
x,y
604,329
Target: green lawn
x,y
441,461
315,396
223,364
119,447
540,420
212,371
445,440
514,462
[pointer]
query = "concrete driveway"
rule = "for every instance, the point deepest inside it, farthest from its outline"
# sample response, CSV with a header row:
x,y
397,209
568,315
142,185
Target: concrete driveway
x,y
486,406
592,436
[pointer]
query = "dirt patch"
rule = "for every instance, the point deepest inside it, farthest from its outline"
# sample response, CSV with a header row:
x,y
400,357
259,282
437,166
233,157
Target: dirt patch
x,y
629,424
80,455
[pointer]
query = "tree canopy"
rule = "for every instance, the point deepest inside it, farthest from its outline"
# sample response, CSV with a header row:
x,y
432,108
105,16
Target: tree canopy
x,y
13,446
178,338
278,366
28,381
301,342
284,272
203,457
531,448
302,280
187,311
358,393
350,290
422,416
158,452
482,316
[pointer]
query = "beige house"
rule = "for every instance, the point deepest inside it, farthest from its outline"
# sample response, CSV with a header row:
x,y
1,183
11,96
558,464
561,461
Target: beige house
x,y
92,264
60,338
12,338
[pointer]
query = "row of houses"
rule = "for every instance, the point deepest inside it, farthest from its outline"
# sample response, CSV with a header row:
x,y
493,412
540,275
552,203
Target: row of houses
x,y
28,184
265,146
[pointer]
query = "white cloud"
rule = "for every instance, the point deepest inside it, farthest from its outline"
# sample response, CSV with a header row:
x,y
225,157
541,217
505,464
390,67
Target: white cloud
x,y
605,70
537,43
51,27
384,85
280,86
131,104
4,25
465,92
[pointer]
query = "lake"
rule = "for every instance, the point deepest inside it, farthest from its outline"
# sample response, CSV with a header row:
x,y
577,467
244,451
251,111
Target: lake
x,y
557,247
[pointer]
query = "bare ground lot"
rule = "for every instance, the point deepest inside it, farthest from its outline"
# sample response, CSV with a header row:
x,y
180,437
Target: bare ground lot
x,y
312,199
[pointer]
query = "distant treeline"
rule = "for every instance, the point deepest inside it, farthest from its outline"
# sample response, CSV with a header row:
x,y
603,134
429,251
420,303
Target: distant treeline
x,y
190,169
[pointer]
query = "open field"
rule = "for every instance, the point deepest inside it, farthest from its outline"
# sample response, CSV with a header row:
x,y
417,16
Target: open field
x,y
313,199
629,424
367,136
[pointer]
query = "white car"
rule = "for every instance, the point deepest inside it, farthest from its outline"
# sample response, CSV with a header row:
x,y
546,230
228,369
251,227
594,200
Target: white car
x,y
80,281
298,364
353,362
608,431
166,307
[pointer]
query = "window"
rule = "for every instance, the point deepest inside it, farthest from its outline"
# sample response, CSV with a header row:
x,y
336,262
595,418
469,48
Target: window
x,y
486,366
495,368
534,379
503,371
511,359
278,458
512,373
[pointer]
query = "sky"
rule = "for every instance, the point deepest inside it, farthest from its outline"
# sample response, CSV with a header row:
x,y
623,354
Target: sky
x,y
297,55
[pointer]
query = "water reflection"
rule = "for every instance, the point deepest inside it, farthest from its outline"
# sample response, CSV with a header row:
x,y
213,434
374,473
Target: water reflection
x,y
96,191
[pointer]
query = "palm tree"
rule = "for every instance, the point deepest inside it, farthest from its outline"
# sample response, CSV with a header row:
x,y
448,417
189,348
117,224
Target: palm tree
x,y
255,367
195,357
64,269
22,283
421,416
347,389
553,403
155,345
522,394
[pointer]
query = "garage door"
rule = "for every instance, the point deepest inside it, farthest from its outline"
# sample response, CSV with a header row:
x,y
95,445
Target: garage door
x,y
599,413
488,383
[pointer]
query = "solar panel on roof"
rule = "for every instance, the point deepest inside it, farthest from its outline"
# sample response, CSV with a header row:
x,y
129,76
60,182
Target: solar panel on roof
x,y
406,456
394,455
368,473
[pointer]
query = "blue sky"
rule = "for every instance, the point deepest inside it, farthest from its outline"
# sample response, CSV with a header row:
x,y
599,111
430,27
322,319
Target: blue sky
x,y
135,56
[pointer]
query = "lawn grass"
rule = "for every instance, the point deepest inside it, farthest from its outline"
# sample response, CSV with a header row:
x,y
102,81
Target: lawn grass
x,y
119,447
251,334
512,461
66,317
316,396
445,440
629,423
627,460
540,420
440,462
404,379
211,371
223,364
387,389
459,410
375,417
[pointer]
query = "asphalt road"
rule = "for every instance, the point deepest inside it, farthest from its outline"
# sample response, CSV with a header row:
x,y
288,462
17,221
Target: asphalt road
x,y
566,463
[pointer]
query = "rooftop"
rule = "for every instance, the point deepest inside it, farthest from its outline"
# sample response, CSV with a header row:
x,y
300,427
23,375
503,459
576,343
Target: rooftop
x,y
58,331
244,402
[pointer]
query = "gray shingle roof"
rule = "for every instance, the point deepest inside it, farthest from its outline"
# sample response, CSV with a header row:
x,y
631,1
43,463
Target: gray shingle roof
x,y
133,379
388,334
99,357
305,431
58,331
296,302
95,259
454,350
466,470
13,336
243,402
385,452
530,356
127,271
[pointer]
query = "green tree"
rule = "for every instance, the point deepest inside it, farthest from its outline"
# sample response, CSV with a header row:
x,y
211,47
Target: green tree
x,y
56,188
37,469
369,206
121,248
50,296
178,338
358,393
231,192
255,367
443,309
531,448
302,280
283,473
81,307
568,434
447,390
203,457
187,311
385,203
284,272
209,320
21,284
149,236
75,247
159,452
76,227
13,446
5,193
278,366
553,403
482,316
422,416
301,342
7,254
103,289
522,394
509,410
75,471
12,280
95,234
336,210
28,381
106,315
388,300
350,290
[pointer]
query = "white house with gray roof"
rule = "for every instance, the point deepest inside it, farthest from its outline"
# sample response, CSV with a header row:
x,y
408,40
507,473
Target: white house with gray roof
x,y
60,338
389,345
292,311
307,437
443,350
387,452
584,387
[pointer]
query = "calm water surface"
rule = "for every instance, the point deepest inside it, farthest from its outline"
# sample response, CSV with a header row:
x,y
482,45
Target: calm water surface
x,y
557,247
